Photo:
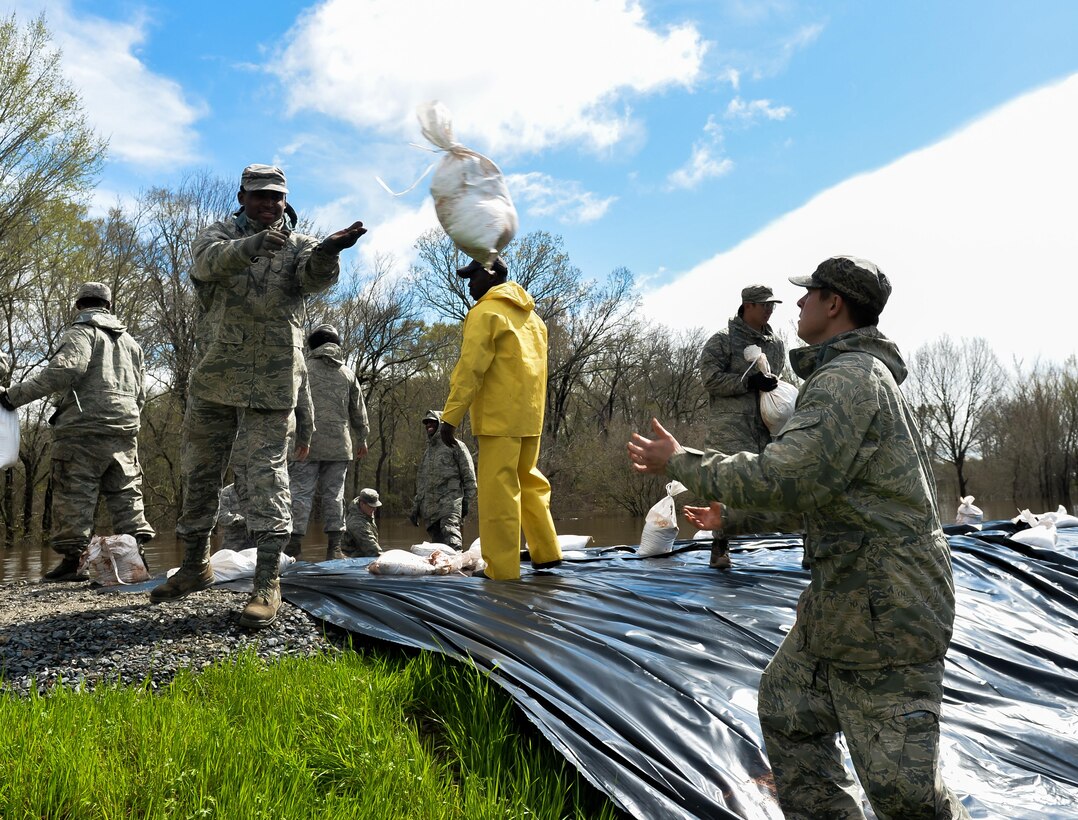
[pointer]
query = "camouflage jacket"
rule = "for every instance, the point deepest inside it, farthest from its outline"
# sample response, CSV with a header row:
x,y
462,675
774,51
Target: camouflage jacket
x,y
254,314
304,416
338,406
96,376
735,423
361,532
445,477
853,463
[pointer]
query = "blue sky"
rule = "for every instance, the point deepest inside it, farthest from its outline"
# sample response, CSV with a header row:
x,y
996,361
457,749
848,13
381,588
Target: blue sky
x,y
702,144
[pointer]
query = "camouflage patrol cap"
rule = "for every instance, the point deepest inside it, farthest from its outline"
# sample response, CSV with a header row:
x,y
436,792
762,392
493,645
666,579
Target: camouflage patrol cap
x,y
369,496
325,330
94,290
433,415
759,294
263,178
856,279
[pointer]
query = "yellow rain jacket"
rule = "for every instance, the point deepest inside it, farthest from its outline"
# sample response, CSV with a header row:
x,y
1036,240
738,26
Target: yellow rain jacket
x,y
502,370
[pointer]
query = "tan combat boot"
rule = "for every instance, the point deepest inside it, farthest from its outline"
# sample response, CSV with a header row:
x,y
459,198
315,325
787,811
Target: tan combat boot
x,y
194,574
265,600
333,548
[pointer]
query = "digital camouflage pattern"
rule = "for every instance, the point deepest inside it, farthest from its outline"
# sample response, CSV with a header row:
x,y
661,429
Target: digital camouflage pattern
x,y
339,408
361,540
96,377
84,467
890,719
254,314
735,423
865,653
444,479
851,277
852,461
230,521
304,478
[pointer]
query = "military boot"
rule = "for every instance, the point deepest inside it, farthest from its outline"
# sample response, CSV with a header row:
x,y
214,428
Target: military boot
x,y
295,545
67,570
194,573
333,548
720,553
265,600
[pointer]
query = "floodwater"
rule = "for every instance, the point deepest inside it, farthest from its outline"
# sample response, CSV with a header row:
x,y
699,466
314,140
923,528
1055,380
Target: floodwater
x,y
27,562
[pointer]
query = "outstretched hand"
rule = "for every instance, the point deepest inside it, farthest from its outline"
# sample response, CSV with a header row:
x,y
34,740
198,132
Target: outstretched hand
x,y
652,455
346,238
705,518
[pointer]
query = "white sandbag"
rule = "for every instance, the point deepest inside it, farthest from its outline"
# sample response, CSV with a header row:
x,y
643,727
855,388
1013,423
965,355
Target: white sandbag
x,y
967,512
114,559
470,196
660,524
9,438
401,562
703,535
776,406
233,565
1064,518
1043,536
427,548
570,542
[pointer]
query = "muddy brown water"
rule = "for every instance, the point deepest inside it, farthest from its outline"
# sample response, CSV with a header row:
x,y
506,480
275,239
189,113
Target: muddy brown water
x,y
26,562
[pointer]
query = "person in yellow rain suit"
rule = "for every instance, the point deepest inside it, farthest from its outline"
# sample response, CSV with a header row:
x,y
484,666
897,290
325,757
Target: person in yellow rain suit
x,y
501,377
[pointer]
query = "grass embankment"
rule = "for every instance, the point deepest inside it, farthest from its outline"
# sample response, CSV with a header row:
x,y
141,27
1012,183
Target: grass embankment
x,y
349,736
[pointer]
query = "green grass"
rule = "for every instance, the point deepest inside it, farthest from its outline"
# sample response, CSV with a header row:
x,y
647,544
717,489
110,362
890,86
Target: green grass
x,y
350,735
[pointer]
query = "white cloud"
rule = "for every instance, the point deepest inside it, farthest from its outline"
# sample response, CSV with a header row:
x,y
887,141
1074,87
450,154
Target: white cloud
x,y
977,233
147,118
705,162
392,234
541,195
517,75
748,112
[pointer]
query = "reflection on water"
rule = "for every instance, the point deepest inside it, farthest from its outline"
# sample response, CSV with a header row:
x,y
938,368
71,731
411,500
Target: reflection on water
x,y
27,562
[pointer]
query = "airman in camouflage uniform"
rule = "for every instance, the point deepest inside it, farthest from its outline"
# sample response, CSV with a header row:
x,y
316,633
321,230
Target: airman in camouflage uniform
x,y
734,395
252,273
444,486
338,410
361,540
96,376
865,655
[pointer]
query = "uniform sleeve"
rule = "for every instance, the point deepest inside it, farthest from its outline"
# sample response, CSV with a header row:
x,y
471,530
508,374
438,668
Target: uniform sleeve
x,y
357,412
305,420
808,465
62,372
466,469
476,354
217,255
715,367
318,269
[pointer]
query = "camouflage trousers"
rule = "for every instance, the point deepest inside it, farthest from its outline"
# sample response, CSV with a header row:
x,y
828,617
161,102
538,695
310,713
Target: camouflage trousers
x,y
84,467
890,719
256,440
305,477
446,530
235,537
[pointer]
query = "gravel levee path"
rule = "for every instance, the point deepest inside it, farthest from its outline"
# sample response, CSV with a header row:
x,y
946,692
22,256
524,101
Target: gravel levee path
x,y
72,633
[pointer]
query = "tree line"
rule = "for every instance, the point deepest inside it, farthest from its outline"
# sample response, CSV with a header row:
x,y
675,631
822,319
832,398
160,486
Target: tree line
x,y
996,433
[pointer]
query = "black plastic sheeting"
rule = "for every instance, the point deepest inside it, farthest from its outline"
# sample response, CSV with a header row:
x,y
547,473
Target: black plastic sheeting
x,y
642,672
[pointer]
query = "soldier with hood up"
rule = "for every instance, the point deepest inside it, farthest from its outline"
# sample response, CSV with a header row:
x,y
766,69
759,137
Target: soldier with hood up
x,y
96,376
340,434
865,654
445,486
500,379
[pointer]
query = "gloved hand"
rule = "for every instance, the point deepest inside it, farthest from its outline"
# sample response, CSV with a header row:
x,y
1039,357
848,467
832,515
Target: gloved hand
x,y
414,518
346,238
448,433
263,243
5,402
758,381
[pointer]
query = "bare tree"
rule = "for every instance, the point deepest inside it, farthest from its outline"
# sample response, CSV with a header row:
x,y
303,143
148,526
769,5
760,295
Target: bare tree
x,y
953,386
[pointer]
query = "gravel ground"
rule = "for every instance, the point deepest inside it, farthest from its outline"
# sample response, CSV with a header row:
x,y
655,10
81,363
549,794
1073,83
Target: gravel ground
x,y
73,633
